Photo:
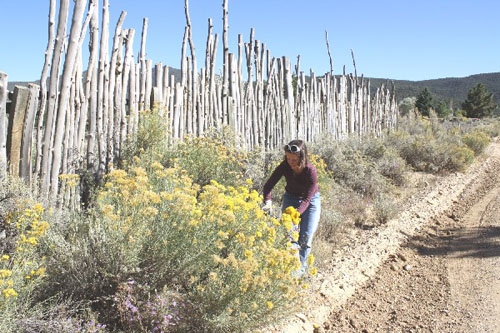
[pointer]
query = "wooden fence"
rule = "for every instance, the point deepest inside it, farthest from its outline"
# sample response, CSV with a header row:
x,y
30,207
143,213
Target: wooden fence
x,y
80,120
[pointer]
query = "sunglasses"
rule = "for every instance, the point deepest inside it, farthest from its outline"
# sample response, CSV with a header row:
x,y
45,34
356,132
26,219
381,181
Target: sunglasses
x,y
292,149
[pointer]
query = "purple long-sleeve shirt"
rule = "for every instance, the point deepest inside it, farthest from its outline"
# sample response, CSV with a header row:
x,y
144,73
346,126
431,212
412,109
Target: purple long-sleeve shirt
x,y
304,185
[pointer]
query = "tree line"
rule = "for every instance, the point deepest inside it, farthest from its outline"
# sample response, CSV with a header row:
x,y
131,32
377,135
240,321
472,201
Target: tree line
x,y
479,103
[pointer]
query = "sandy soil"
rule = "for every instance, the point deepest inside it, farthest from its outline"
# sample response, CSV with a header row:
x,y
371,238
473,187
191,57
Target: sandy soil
x,y
436,268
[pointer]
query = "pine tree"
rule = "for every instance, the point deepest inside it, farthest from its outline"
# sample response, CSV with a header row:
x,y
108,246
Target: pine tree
x,y
442,109
424,102
479,102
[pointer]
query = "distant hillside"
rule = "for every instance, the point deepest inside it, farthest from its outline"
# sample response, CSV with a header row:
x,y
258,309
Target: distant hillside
x,y
446,89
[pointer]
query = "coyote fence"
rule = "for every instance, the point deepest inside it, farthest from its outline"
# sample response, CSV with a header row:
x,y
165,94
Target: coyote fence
x,y
78,121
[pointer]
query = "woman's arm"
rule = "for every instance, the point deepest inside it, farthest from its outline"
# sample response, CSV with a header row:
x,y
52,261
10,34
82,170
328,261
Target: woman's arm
x,y
275,177
312,188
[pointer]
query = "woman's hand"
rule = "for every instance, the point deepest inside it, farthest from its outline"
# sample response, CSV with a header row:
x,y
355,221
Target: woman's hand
x,y
267,206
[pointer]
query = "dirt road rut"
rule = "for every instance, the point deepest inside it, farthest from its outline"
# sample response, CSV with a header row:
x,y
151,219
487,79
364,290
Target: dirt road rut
x,y
436,268
446,278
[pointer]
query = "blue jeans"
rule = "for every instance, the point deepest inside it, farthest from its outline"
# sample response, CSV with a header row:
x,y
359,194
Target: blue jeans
x,y
309,221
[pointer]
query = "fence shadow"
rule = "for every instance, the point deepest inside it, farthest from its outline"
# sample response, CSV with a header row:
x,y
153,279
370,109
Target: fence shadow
x,y
477,242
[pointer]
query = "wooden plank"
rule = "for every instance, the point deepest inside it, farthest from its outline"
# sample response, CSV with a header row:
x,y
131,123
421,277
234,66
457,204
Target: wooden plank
x,y
15,128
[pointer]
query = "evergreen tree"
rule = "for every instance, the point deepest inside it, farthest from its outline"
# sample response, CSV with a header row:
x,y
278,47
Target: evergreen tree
x,y
442,110
424,102
479,102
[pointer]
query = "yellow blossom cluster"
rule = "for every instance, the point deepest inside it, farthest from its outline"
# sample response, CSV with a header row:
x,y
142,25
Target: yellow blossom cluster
x,y
321,167
19,269
70,179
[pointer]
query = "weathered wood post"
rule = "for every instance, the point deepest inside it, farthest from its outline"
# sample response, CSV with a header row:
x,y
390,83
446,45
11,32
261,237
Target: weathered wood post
x,y
3,124
225,47
91,89
128,62
142,60
43,85
109,120
29,121
15,129
102,90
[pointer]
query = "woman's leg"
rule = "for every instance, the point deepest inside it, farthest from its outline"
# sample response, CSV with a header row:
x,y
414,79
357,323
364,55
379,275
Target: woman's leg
x,y
308,225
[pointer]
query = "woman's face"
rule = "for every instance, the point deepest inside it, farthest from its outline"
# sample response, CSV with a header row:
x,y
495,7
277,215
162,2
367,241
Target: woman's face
x,y
293,160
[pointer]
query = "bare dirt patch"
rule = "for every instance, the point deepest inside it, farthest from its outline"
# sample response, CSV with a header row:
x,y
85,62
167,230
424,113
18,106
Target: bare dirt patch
x,y
435,268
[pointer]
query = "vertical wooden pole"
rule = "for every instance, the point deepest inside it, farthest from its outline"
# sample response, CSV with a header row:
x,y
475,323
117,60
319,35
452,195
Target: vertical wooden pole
x,y
128,62
133,98
142,60
109,121
102,90
149,83
118,105
197,112
29,122
92,162
43,86
3,124
15,128
159,86
225,46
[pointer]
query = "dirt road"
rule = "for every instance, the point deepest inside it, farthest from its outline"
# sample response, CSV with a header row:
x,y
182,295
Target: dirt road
x,y
444,278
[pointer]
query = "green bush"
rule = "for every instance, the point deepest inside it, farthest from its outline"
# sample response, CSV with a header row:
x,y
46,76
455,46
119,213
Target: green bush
x,y
459,158
393,167
353,169
385,208
477,141
426,146
151,140
207,159
492,127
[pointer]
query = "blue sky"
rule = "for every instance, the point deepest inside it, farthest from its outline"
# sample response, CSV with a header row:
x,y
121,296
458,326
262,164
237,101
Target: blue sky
x,y
409,40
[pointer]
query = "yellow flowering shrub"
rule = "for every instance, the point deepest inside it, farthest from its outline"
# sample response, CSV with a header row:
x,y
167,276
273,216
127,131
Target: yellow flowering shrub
x,y
21,269
212,244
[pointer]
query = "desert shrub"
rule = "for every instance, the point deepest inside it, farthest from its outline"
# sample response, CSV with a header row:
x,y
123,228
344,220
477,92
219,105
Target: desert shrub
x,y
151,137
385,158
384,208
476,140
491,127
207,159
212,245
353,169
393,167
331,222
459,158
428,147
